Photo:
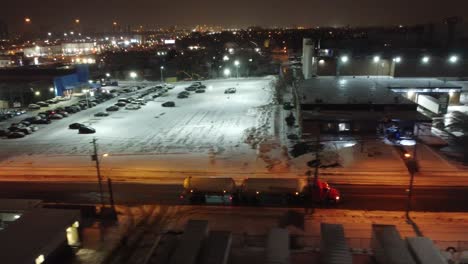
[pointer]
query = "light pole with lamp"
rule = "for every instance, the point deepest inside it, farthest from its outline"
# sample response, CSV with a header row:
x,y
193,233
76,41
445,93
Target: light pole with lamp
x,y
339,62
237,64
376,62
227,72
162,77
97,158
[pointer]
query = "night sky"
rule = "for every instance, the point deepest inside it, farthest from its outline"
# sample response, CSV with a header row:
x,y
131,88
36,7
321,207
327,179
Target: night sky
x,y
99,14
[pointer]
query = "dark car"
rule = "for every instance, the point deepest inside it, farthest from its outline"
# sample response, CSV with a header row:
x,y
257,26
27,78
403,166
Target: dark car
x,y
191,88
75,126
16,135
71,109
168,104
62,113
101,114
121,104
56,116
181,96
44,121
112,108
200,91
86,130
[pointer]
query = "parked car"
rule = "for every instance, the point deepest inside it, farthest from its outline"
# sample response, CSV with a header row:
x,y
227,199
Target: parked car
x,y
75,126
101,114
200,91
86,130
34,106
42,104
132,107
16,135
62,113
112,108
56,116
168,104
191,88
39,120
230,91
121,104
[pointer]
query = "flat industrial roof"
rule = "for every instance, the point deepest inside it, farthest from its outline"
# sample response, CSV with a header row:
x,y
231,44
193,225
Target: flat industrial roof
x,y
18,205
408,83
348,90
38,231
413,116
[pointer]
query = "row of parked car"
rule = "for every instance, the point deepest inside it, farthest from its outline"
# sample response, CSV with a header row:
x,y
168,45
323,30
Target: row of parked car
x,y
134,102
9,113
27,125
196,87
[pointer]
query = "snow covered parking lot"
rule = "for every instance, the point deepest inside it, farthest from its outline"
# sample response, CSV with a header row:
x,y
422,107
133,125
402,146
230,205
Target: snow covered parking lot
x,y
206,132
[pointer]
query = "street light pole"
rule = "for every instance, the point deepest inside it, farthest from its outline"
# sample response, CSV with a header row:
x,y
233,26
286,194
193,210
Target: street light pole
x,y
162,78
95,157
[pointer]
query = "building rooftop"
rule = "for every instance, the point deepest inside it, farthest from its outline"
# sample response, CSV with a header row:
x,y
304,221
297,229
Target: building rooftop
x,y
18,205
348,90
37,232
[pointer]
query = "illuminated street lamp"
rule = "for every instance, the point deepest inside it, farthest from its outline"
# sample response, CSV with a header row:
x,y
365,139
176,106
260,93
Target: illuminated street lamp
x,y
77,21
397,59
344,59
133,75
225,58
453,59
237,64
376,59
162,76
27,20
37,93
425,59
108,75
227,72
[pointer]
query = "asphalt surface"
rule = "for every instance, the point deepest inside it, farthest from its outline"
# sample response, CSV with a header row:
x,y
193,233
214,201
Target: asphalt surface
x,y
354,196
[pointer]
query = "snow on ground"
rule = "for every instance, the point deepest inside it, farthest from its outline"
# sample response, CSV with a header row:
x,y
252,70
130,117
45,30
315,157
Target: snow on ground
x,y
205,132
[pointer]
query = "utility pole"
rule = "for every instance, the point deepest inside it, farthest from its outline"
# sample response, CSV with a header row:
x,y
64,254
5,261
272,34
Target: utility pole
x,y
95,157
413,168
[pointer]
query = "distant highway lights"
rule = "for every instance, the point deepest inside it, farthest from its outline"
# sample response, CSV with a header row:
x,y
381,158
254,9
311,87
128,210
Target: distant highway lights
x,y
162,76
425,60
453,59
237,64
227,73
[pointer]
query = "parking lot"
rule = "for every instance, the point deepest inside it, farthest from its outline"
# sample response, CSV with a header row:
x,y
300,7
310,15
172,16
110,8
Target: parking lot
x,y
206,131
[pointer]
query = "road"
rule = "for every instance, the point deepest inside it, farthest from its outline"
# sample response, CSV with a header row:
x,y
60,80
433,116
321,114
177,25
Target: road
x,y
355,197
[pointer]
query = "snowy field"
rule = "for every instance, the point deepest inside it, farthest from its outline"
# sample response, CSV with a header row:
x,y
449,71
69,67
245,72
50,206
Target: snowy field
x,y
211,133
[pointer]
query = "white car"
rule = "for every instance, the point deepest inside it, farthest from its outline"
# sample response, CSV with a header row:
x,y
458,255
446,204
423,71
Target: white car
x,y
34,107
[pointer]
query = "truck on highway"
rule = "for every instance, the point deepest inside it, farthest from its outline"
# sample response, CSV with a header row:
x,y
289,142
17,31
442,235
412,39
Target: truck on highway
x,y
211,190
288,191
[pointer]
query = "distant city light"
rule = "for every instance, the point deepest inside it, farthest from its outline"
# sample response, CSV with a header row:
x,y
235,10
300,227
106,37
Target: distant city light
x,y
250,60
162,67
397,59
425,59
344,59
51,89
37,93
453,59
321,62
376,59
49,33
77,21
225,58
236,63
108,75
27,20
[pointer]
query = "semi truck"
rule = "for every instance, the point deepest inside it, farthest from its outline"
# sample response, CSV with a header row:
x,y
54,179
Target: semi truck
x,y
258,191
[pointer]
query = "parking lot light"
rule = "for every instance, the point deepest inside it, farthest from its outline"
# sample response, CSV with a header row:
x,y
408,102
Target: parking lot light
x,y
133,75
376,59
108,75
453,59
37,93
227,72
397,59
344,59
225,58
425,59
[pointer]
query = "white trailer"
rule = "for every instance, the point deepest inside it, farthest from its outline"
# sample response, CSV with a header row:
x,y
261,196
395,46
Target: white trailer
x,y
424,251
188,248
333,246
277,246
388,246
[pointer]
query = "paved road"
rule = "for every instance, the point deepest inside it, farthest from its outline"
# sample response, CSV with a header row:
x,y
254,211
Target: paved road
x,y
355,197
